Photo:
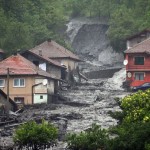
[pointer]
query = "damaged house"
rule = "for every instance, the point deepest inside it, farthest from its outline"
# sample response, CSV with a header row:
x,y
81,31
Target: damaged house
x,y
26,83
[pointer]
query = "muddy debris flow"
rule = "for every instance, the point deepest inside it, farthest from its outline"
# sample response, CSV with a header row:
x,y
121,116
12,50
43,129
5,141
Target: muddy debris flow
x,y
79,107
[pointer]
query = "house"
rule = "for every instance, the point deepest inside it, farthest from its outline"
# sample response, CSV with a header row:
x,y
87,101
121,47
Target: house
x,y
6,105
43,62
137,61
137,38
50,50
26,83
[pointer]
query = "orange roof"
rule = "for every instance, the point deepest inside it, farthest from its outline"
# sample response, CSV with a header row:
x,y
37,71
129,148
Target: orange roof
x,y
53,50
18,65
143,47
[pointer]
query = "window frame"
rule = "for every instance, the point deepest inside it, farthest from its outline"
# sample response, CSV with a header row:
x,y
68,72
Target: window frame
x,y
3,83
19,100
19,82
139,57
139,76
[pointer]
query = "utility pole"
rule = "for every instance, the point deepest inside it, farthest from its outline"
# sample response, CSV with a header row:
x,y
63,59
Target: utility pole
x,y
7,84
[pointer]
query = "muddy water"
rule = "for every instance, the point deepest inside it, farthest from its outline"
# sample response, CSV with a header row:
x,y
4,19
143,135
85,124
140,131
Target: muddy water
x,y
94,99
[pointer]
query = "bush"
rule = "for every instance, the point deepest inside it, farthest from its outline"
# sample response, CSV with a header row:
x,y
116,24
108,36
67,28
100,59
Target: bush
x,y
133,132
92,139
35,135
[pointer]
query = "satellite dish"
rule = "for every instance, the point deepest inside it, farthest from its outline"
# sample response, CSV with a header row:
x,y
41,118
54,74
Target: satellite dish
x,y
125,62
44,82
129,75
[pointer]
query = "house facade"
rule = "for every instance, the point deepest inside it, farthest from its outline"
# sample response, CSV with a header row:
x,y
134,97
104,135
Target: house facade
x,y
137,60
24,82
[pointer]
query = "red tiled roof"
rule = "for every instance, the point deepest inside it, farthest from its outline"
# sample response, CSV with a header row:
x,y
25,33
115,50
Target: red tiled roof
x,y
143,47
18,65
53,50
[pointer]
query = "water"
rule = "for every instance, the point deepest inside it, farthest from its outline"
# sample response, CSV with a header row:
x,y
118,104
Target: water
x,y
98,95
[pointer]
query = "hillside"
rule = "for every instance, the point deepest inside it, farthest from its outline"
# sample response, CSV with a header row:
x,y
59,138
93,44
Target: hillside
x,y
25,24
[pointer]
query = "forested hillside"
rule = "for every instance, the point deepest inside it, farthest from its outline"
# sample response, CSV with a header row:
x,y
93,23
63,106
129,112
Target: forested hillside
x,y
25,23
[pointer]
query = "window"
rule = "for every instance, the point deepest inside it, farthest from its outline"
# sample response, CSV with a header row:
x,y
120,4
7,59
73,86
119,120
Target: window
x,y
139,61
2,82
19,100
139,76
41,96
19,82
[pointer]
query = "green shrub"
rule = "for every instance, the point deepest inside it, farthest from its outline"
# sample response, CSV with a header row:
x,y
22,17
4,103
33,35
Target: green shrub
x,y
133,133
92,139
35,135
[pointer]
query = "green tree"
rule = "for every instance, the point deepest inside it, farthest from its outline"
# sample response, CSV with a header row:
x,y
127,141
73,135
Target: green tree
x,y
35,135
133,132
92,139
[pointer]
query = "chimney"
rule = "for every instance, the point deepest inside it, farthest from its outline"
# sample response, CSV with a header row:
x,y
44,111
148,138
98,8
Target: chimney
x,y
40,52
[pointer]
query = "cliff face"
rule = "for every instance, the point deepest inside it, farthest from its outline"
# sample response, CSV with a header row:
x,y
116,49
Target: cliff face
x,y
89,40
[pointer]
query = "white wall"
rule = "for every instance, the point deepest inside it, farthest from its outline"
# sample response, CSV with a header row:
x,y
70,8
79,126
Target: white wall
x,y
40,98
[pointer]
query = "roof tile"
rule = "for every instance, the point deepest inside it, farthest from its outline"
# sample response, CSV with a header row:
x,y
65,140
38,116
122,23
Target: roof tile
x,y
143,47
53,50
18,65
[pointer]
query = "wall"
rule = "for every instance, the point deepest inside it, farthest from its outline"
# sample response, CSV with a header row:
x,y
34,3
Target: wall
x,y
40,88
52,69
68,63
134,82
130,67
108,73
38,99
25,92
50,87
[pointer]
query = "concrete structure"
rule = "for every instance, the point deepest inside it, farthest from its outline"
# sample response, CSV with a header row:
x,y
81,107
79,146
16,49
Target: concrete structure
x,y
24,81
138,63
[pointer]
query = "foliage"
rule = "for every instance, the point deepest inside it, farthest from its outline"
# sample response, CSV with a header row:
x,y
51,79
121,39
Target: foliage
x,y
35,135
134,130
27,23
132,136
136,107
92,139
